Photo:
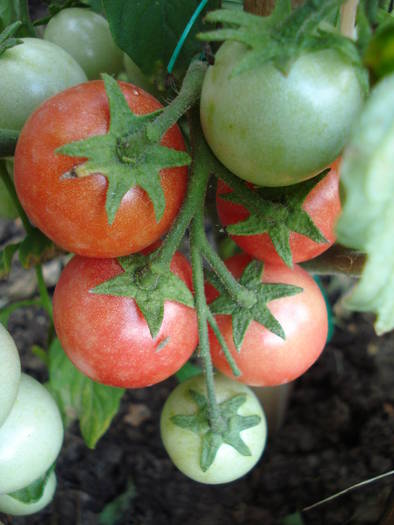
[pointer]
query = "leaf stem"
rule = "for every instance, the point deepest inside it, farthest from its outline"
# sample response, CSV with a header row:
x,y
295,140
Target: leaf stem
x,y
8,140
188,95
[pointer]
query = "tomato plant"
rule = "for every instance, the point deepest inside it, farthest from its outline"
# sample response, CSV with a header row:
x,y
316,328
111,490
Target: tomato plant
x,y
74,215
30,438
184,446
322,204
10,373
15,507
265,359
127,356
30,73
85,35
274,129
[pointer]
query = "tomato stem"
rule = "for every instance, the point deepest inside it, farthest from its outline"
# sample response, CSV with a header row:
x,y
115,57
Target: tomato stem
x,y
212,321
348,18
187,97
8,140
42,288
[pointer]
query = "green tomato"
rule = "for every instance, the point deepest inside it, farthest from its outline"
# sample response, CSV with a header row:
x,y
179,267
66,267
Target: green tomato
x,y
14,507
29,74
184,446
30,438
273,129
87,37
10,373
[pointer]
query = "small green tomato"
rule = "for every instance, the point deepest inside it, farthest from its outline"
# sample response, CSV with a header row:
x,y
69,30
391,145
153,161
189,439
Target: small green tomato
x,y
10,373
30,438
184,445
15,507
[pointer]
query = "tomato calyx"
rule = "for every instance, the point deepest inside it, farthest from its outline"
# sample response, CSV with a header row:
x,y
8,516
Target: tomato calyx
x,y
278,212
265,292
230,424
149,288
33,492
126,155
283,36
7,39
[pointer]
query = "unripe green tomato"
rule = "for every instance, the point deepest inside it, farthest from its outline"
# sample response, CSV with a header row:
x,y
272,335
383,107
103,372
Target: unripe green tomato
x,y
273,129
29,74
184,446
14,507
30,438
87,37
10,373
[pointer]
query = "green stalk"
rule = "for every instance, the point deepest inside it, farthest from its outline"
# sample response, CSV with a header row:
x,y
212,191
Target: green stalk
x,y
187,97
212,321
45,299
12,193
8,140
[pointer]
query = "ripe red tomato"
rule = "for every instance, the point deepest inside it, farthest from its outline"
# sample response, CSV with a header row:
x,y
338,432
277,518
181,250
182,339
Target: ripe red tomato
x,y
322,204
265,359
108,338
72,212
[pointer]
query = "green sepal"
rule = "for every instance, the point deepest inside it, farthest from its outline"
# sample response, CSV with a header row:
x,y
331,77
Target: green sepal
x,y
35,490
6,256
230,433
259,312
7,39
126,155
283,36
278,212
149,288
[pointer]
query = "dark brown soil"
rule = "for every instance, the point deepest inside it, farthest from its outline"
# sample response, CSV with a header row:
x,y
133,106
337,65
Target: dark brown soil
x,y
338,432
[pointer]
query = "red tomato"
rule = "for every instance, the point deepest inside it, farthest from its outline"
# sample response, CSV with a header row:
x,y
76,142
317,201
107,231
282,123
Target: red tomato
x,y
265,359
72,212
107,337
322,204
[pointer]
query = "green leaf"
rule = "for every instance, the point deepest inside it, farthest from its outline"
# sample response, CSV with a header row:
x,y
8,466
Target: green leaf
x,y
149,31
115,511
6,256
78,397
35,248
34,491
379,55
232,426
7,39
149,289
265,292
292,519
125,155
367,219
187,371
13,11
10,308
278,212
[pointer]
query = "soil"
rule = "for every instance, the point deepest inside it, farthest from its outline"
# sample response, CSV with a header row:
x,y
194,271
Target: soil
x,y
338,431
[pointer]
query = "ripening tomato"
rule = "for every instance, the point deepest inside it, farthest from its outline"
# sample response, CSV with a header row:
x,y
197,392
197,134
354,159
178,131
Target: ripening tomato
x,y
266,359
108,338
72,212
322,205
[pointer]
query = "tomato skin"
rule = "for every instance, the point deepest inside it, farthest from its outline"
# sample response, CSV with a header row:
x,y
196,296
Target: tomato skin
x,y
31,73
72,212
10,373
86,36
183,446
10,505
107,337
30,438
276,130
322,204
265,359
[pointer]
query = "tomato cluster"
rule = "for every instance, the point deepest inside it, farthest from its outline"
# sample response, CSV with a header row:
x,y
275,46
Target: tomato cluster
x,y
31,433
271,130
